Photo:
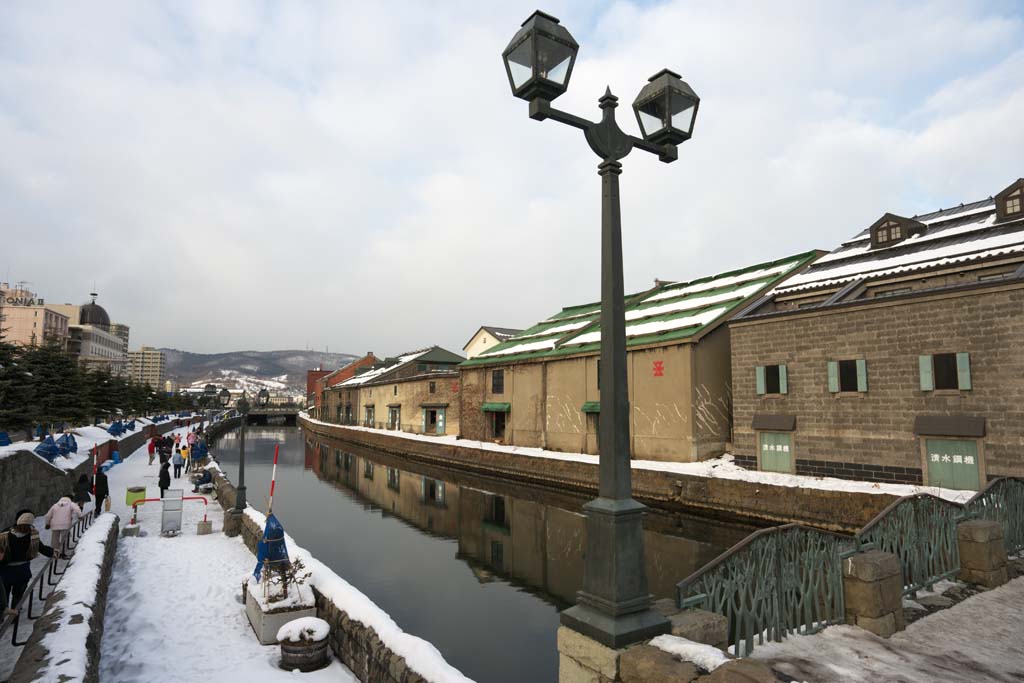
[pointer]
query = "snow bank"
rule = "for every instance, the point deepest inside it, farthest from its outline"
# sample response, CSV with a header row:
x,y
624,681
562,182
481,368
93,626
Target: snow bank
x,y
718,468
68,655
305,628
420,655
707,657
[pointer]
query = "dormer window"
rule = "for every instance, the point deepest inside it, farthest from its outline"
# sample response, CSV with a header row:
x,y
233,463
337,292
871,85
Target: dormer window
x,y
1013,202
890,229
1010,202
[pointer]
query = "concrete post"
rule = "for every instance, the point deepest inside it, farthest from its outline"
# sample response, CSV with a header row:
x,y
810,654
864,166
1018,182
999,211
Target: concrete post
x,y
873,592
232,522
982,552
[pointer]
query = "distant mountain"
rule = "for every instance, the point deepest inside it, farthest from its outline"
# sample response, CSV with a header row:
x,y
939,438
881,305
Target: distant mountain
x,y
253,370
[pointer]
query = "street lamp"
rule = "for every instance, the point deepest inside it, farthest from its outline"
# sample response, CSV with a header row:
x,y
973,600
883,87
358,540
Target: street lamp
x,y
243,410
263,398
614,606
224,398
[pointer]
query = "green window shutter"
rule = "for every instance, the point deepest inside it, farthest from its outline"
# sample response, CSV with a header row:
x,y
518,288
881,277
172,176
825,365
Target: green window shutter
x,y
862,375
760,379
963,370
833,376
783,380
924,366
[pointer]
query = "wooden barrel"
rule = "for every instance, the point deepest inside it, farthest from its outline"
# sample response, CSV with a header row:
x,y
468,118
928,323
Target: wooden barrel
x,y
304,655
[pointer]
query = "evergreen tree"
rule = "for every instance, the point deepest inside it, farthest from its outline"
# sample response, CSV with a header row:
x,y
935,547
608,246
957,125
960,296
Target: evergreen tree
x,y
16,391
58,387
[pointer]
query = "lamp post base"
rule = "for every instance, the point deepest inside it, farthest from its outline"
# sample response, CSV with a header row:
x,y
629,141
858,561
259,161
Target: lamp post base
x,y
615,632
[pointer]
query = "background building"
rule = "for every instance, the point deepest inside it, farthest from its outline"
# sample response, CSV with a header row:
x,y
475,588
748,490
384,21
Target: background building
x,y
147,366
541,387
487,338
28,321
91,339
897,357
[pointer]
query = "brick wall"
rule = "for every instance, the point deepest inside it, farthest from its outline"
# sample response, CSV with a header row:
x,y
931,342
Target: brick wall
x,y
870,436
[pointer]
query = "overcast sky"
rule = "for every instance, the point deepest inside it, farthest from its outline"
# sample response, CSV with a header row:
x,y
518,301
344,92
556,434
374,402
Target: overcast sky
x,y
358,176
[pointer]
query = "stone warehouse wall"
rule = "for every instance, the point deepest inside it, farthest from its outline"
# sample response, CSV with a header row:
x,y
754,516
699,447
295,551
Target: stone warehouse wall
x,y
870,436
35,657
752,502
358,646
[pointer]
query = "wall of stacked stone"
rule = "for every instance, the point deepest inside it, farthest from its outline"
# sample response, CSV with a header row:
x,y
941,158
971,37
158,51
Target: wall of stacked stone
x,y
35,656
215,429
28,481
724,498
354,643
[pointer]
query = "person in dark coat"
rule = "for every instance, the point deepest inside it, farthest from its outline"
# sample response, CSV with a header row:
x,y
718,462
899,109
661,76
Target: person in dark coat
x,y
82,490
165,478
19,545
102,489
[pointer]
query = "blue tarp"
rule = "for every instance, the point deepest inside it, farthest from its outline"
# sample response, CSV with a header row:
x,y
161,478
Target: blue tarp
x,y
131,426
115,457
4,439
116,429
63,444
272,548
72,443
48,449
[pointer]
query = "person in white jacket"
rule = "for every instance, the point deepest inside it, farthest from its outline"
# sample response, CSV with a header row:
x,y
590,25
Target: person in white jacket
x,y
59,519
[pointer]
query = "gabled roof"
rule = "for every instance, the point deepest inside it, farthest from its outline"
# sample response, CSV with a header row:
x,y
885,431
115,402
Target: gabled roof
x,y
669,311
499,333
432,354
969,232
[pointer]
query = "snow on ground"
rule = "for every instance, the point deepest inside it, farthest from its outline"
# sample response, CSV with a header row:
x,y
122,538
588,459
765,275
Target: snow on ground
x,y
174,610
975,641
707,657
717,468
69,657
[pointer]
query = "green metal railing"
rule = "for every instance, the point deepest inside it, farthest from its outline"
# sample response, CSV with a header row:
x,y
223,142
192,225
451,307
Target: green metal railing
x,y
921,530
788,579
777,581
1002,501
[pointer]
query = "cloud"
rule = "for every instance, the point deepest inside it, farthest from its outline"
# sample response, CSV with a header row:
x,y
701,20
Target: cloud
x,y
250,175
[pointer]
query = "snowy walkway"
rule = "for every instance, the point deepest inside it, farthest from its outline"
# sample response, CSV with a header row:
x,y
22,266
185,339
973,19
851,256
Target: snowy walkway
x,y
174,611
975,641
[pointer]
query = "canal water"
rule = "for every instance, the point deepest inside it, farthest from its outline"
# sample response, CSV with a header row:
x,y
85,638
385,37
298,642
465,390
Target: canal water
x,y
479,567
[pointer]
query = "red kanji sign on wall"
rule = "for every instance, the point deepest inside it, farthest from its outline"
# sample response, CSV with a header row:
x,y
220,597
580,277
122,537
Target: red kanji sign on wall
x,y
659,368
455,387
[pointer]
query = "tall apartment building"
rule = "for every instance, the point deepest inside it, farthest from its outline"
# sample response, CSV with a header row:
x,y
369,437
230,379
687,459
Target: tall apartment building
x,y
28,321
147,366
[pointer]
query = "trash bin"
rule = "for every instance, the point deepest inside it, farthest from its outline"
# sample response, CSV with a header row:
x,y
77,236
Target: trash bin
x,y
134,494
116,457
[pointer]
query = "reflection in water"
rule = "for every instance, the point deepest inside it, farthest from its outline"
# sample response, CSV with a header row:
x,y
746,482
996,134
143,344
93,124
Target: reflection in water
x,y
490,603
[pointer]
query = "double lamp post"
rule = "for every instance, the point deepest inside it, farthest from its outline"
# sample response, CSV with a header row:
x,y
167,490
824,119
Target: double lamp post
x,y
614,606
262,400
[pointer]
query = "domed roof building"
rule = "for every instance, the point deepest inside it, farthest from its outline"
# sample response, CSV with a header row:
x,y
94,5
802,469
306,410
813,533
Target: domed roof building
x,y
94,314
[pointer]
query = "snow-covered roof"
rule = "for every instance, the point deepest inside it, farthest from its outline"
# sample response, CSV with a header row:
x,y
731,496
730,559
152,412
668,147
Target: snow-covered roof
x,y
966,233
670,311
432,354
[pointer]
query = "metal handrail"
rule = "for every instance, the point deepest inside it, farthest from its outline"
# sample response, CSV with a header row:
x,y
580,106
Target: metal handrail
x,y
776,581
920,529
49,571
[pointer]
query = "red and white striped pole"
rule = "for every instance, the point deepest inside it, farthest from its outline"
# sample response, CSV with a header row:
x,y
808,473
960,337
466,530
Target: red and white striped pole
x,y
273,479
95,468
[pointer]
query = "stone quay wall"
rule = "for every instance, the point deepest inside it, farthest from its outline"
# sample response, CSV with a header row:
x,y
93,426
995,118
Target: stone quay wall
x,y
357,645
28,481
755,502
35,662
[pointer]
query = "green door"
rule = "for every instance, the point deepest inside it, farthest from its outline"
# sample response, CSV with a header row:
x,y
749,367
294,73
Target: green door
x,y
440,420
776,451
953,463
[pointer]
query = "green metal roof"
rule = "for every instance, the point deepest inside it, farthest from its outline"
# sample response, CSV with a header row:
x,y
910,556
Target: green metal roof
x,y
670,311
591,407
496,407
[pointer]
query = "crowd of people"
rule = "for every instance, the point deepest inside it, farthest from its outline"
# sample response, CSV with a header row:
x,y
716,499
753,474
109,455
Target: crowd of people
x,y
20,543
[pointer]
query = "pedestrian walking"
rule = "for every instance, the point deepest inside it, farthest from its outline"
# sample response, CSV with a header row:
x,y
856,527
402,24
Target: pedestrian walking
x,y
102,491
177,460
186,453
152,449
19,545
165,478
82,490
59,519
177,439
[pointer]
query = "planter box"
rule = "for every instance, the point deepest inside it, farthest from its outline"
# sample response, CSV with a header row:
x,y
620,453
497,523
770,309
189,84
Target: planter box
x,y
266,625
